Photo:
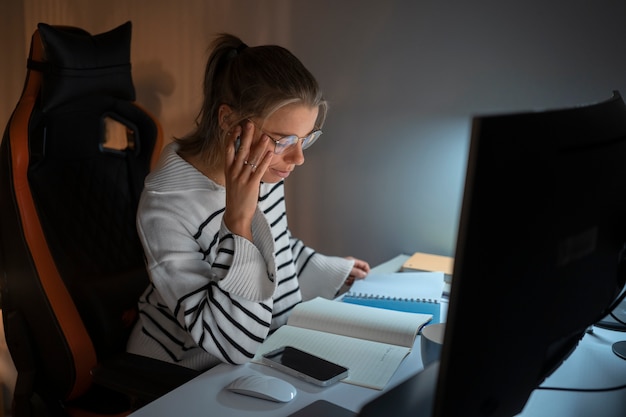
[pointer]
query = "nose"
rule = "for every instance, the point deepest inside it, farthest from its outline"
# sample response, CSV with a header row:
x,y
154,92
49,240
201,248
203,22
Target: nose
x,y
294,155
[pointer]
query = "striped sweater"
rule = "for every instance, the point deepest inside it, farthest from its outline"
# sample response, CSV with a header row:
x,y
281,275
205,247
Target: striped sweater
x,y
215,296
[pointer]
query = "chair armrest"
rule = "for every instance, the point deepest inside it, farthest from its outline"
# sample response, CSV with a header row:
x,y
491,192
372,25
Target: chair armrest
x,y
143,379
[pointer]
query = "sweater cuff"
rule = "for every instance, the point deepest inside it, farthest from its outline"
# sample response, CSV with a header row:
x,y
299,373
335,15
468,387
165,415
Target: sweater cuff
x,y
333,271
252,274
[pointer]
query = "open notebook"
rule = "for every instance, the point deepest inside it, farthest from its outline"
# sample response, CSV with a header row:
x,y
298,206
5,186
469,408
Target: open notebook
x,y
370,342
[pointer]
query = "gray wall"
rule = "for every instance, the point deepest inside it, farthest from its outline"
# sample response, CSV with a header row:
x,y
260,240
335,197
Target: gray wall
x,y
403,79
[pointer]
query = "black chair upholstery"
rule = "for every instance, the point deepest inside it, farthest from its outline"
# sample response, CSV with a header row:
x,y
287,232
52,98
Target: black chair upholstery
x,y
72,164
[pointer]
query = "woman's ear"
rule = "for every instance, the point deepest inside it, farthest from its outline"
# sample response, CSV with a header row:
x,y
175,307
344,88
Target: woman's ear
x,y
225,114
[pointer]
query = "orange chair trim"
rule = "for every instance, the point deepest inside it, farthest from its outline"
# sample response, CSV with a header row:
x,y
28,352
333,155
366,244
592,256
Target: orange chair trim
x,y
69,320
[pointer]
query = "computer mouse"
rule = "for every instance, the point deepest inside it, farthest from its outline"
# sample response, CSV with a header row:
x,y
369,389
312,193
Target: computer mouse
x,y
263,386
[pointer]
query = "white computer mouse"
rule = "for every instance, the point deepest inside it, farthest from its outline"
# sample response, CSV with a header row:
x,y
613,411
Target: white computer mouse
x,y
263,386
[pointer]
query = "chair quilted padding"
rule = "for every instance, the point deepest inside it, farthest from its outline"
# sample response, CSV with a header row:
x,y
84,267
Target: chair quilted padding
x,y
79,64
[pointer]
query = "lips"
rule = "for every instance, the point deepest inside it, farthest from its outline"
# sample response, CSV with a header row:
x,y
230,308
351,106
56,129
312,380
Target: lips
x,y
282,174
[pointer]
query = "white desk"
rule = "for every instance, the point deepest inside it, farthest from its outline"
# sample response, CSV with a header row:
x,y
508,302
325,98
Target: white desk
x,y
591,365
204,396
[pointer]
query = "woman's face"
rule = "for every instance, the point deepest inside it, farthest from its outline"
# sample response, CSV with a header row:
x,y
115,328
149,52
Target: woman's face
x,y
293,119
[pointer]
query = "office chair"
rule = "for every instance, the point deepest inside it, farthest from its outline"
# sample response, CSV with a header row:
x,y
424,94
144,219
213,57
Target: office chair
x,y
72,164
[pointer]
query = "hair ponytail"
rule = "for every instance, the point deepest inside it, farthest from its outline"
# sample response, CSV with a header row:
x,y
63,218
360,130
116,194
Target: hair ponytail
x,y
255,82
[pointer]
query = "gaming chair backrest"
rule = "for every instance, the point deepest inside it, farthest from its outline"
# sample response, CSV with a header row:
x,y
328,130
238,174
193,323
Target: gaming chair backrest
x,y
72,165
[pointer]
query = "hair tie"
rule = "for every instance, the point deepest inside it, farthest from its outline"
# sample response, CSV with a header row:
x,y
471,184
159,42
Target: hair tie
x,y
236,51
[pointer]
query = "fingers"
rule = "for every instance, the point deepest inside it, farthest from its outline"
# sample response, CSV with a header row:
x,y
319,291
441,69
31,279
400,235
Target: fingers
x,y
233,143
360,269
245,138
258,168
363,266
358,273
247,153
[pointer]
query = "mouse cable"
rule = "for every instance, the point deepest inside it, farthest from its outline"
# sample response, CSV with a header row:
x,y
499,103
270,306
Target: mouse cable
x,y
617,319
617,388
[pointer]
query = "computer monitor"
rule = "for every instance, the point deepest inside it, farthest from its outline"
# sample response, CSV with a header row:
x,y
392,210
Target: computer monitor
x,y
538,259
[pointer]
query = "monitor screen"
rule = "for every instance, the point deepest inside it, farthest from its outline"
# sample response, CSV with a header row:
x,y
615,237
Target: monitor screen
x,y
538,259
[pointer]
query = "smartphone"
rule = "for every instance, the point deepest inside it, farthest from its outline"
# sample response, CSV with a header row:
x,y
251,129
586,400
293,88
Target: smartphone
x,y
305,366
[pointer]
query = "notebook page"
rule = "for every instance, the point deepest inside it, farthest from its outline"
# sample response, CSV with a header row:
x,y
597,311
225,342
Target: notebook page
x,y
370,364
386,326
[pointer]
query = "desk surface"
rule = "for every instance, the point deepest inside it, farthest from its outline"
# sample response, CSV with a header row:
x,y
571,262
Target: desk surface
x,y
205,395
591,365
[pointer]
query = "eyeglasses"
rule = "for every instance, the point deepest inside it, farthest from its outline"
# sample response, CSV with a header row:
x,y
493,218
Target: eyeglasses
x,y
287,142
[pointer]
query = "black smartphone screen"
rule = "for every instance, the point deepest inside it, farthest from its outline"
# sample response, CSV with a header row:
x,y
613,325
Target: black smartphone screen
x,y
306,363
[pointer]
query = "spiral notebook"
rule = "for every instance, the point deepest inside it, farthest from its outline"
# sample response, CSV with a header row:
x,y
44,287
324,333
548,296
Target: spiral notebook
x,y
413,292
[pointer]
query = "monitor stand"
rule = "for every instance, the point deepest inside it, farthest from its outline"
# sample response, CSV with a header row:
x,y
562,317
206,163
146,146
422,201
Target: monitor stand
x,y
619,348
610,323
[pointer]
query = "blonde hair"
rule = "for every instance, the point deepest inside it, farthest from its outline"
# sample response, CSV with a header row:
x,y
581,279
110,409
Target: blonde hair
x,y
254,82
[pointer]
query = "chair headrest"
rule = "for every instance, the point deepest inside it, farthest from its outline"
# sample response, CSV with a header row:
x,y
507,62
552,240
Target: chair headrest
x,y
79,64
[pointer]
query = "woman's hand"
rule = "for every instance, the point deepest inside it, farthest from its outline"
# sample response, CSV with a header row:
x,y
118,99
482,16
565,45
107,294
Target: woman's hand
x,y
244,169
359,270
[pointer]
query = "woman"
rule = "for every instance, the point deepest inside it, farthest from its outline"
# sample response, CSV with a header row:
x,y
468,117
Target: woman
x,y
225,270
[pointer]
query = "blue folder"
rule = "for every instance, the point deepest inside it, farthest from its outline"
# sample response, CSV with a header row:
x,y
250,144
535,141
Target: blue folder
x,y
432,307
